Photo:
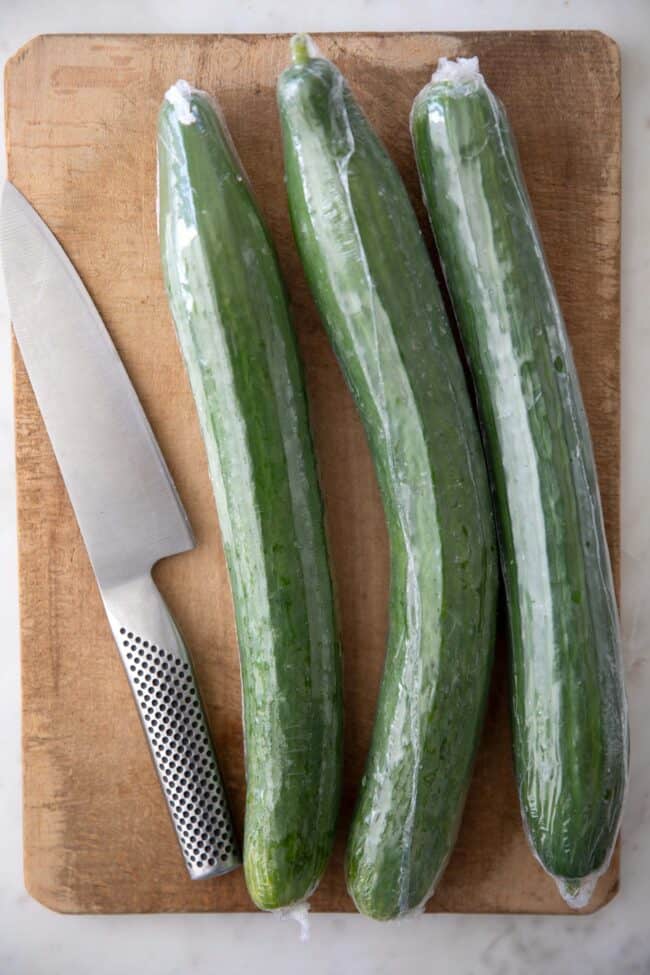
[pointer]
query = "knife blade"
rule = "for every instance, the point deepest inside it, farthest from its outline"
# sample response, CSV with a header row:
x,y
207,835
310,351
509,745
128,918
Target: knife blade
x,y
129,514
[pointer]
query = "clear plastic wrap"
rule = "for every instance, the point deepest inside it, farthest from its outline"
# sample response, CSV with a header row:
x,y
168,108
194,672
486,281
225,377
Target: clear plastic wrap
x,y
232,320
568,700
372,277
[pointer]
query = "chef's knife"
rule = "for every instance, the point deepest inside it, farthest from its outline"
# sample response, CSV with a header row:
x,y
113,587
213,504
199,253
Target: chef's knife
x,y
129,514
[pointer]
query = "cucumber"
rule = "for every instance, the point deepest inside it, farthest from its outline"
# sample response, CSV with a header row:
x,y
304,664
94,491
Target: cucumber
x,y
371,275
569,714
232,320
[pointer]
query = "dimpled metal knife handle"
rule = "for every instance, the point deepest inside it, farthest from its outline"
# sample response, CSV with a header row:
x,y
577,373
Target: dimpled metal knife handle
x,y
163,683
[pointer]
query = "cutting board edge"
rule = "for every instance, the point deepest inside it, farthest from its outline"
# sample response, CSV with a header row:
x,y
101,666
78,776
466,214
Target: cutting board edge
x,y
21,53
51,902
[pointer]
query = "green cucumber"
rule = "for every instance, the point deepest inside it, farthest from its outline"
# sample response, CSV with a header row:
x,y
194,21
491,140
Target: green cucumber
x,y
232,320
568,703
371,275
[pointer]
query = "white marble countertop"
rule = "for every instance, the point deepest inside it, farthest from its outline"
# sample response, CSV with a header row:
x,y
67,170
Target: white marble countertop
x,y
34,941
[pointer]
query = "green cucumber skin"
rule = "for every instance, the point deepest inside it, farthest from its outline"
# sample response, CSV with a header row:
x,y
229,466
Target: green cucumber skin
x,y
231,315
568,701
371,275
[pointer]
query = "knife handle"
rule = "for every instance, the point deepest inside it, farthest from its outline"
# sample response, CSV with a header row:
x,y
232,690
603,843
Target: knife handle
x,y
162,679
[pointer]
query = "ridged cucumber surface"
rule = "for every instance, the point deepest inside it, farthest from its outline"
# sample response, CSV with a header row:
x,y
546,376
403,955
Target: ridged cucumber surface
x,y
371,275
568,704
230,310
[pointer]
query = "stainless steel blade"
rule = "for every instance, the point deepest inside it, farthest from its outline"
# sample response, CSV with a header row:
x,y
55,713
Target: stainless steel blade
x,y
122,493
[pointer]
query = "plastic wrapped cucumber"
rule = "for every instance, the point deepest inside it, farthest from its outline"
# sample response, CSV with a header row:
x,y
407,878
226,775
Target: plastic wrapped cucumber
x,y
568,704
374,284
230,310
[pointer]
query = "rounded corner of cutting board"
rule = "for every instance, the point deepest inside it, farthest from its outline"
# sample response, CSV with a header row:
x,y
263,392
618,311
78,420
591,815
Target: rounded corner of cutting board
x,y
53,898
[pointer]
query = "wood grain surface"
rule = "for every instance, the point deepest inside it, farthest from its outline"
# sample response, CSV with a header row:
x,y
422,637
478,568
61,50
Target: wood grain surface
x,y
81,119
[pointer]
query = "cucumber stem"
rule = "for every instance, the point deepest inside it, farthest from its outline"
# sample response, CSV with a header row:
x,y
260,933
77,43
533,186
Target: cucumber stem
x,y
301,48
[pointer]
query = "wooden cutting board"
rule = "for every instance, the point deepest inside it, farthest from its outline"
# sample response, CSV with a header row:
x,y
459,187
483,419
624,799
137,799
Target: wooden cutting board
x,y
81,120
